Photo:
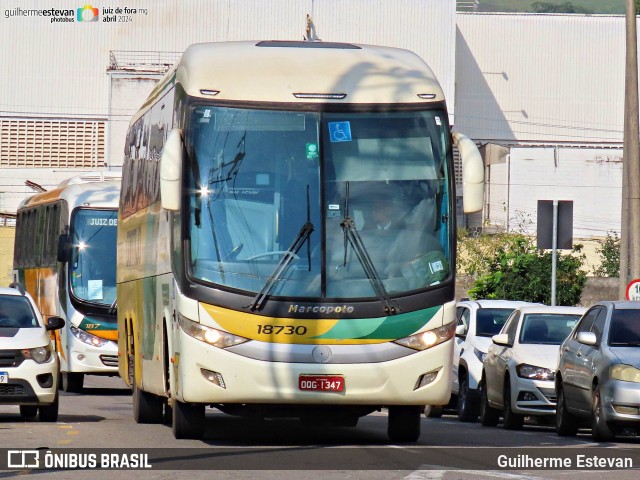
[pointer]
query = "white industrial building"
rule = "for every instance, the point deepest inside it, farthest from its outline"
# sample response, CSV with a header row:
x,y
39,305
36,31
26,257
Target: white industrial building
x,y
543,94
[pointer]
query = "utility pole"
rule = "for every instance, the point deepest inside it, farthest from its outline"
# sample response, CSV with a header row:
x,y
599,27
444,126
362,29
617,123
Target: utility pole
x,y
631,156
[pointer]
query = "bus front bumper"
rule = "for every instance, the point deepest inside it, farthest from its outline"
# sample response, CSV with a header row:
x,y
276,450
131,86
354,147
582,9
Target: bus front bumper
x,y
421,378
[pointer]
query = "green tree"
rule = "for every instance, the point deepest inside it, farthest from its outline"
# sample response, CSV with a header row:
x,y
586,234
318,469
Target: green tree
x,y
566,7
609,253
520,271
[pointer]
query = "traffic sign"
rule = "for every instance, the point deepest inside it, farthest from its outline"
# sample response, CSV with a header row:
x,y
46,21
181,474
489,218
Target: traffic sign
x,y
633,290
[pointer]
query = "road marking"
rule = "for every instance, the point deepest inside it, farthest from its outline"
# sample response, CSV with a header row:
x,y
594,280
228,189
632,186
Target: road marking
x,y
439,474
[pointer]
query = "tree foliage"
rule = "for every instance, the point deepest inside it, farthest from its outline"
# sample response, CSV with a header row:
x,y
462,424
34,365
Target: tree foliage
x,y
609,253
509,266
566,7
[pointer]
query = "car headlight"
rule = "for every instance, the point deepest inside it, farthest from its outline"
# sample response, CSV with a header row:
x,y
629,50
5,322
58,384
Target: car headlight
x,y
209,335
38,354
534,373
88,338
430,338
480,355
626,373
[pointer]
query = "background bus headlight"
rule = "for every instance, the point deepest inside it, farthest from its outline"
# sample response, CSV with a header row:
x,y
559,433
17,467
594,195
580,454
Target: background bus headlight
x,y
209,335
88,338
38,354
430,338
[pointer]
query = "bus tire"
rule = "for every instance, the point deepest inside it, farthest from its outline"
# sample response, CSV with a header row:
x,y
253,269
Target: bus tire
x,y
404,423
49,413
147,407
72,382
188,420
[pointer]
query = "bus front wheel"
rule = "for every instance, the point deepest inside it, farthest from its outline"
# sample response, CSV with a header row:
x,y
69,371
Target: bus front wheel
x,y
188,420
72,382
404,423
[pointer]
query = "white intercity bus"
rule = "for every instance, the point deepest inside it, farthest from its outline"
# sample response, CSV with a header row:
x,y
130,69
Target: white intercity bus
x,y
65,256
286,237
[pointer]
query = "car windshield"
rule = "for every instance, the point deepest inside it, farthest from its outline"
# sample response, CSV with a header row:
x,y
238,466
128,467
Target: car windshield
x,y
625,328
489,321
16,312
548,328
275,211
93,259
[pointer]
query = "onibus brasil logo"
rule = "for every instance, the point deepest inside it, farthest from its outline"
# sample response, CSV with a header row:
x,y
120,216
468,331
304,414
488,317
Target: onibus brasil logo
x,y
87,14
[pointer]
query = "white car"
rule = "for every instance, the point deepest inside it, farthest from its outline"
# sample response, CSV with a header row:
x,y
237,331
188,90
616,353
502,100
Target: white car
x,y
518,371
477,322
28,362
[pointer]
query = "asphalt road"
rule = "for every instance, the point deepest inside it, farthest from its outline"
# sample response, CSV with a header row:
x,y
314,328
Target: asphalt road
x,y
100,422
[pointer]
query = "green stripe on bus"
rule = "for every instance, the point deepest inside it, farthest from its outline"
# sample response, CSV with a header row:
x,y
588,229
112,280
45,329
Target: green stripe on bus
x,y
383,328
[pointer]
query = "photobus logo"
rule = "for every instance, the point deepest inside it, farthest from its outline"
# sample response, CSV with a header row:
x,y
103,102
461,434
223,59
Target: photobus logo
x,y
87,14
23,459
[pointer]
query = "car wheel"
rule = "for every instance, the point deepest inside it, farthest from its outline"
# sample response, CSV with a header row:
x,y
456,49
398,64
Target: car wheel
x,y
404,424
488,416
49,413
433,411
511,420
600,430
28,411
467,412
566,422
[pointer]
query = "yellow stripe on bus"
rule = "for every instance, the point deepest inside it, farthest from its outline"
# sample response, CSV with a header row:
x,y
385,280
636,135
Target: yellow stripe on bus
x,y
284,330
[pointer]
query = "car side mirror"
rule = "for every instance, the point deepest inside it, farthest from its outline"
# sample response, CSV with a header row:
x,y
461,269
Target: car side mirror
x,y
501,339
587,338
171,171
461,331
64,248
54,323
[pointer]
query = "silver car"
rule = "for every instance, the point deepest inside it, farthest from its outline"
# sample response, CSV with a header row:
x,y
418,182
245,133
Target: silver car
x,y
598,375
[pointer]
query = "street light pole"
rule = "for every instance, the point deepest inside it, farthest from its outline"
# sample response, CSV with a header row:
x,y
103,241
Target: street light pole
x,y
631,156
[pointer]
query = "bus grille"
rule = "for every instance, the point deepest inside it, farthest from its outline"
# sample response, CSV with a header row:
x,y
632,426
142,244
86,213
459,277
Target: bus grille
x,y
10,358
109,360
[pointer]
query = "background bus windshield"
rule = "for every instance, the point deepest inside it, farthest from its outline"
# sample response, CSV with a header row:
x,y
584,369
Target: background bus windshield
x,y
93,260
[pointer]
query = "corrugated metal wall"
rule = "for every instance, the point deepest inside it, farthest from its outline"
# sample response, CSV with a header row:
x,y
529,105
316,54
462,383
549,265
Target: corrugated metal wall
x,y
59,68
540,78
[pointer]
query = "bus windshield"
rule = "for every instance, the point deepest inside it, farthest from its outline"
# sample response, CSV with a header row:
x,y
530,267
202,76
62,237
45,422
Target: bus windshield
x,y
93,259
318,205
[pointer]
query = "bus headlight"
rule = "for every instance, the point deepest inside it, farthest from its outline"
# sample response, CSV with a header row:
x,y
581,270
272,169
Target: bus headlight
x,y
430,338
38,354
209,335
88,338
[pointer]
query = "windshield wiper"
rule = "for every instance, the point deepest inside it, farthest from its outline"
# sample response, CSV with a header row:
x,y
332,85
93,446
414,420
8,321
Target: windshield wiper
x,y
286,259
351,236
282,266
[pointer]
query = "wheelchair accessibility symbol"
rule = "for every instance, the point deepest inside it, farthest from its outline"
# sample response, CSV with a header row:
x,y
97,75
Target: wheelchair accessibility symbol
x,y
340,132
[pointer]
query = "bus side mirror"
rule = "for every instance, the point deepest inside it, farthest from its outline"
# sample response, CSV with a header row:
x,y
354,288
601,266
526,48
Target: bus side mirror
x,y
54,323
64,248
472,173
171,171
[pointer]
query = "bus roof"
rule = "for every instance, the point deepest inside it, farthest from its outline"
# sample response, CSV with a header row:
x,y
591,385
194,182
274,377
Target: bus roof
x,y
275,71
89,194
